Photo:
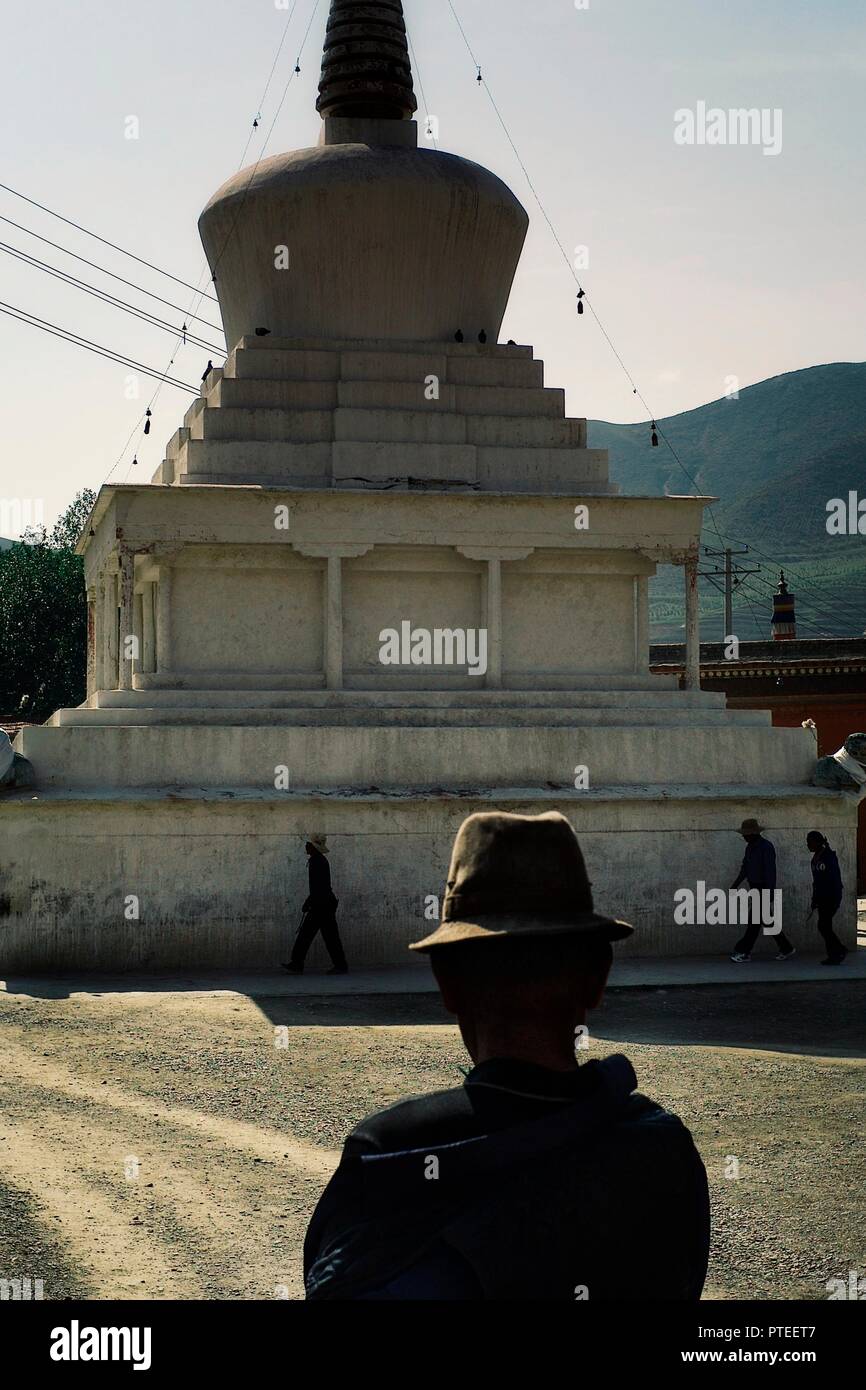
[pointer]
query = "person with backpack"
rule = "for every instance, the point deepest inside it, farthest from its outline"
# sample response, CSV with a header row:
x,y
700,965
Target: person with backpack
x,y
538,1178
827,889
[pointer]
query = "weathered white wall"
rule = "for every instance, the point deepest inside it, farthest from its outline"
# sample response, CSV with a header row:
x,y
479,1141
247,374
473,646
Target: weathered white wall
x,y
592,617
330,755
220,881
247,620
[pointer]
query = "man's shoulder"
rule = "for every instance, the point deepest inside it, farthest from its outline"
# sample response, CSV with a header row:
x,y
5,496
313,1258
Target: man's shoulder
x,y
448,1117
438,1117
650,1125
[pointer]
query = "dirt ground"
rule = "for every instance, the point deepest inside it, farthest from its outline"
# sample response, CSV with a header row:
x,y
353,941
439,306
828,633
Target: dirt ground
x,y
174,1145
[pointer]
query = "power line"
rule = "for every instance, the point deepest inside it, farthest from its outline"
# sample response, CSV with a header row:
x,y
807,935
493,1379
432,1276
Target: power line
x,y
417,69
803,600
803,596
93,265
264,95
769,591
801,622
757,624
103,295
255,167
572,271
99,349
199,292
97,237
791,566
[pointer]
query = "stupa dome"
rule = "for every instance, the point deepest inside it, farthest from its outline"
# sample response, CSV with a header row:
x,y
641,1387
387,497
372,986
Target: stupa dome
x,y
365,235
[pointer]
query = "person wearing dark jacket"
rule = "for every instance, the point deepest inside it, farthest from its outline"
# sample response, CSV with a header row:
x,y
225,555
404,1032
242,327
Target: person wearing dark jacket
x,y
826,894
758,869
538,1178
319,913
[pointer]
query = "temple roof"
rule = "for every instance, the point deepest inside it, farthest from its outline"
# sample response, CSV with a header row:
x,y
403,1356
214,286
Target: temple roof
x,y
365,68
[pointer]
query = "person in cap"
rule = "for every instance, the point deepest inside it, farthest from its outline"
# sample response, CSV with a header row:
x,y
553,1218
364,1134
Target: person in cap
x,y
538,1178
319,913
758,869
827,892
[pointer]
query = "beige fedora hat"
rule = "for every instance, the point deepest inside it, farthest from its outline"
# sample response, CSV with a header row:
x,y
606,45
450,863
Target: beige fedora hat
x,y
319,842
518,876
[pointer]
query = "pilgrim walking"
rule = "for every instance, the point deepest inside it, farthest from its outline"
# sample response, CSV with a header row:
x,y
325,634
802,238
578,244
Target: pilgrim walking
x,y
319,913
758,869
826,894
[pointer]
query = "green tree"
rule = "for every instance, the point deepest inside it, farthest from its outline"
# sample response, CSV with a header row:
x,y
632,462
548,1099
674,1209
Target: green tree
x,y
43,618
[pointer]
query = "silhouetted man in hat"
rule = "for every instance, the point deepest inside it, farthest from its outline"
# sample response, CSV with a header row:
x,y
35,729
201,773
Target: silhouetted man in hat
x,y
537,1178
758,869
319,913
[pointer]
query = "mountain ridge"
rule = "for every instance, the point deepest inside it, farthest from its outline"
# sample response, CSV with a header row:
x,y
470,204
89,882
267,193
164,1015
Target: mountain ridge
x,y
774,457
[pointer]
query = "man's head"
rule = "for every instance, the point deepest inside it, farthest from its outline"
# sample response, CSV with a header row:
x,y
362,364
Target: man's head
x,y
751,830
317,844
522,997
521,953
815,841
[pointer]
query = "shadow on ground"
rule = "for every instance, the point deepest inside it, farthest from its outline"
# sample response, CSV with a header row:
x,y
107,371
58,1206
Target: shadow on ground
x,y
823,1020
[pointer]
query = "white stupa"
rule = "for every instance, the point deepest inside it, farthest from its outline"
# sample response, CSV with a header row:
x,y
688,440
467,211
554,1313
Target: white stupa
x,y
379,581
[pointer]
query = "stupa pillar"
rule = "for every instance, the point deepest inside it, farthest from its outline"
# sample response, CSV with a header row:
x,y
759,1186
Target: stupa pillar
x,y
163,619
127,618
641,624
92,660
693,626
148,628
109,631
138,630
493,607
492,600
333,625
332,604
99,653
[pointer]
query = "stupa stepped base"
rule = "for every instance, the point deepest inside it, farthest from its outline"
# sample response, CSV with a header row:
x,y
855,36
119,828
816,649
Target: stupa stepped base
x,y
321,413
232,716
217,877
393,756
151,705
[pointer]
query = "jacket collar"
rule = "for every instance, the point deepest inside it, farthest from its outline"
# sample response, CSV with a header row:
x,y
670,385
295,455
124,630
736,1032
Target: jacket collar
x,y
605,1088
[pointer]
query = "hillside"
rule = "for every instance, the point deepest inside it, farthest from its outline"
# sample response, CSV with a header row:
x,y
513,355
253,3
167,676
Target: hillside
x,y
774,458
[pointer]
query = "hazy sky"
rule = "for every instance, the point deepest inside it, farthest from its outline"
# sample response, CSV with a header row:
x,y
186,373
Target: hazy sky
x,y
705,261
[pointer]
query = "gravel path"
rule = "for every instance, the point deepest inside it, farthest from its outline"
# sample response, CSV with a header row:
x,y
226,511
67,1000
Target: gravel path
x,y
174,1145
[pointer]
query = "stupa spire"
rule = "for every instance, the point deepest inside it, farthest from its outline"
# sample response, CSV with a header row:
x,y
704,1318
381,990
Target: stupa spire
x,y
366,70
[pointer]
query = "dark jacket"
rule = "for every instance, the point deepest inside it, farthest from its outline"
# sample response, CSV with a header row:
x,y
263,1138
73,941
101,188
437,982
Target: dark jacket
x,y
827,884
321,898
522,1184
759,864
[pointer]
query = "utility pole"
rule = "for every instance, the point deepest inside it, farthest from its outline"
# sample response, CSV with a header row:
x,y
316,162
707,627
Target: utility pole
x,y
730,575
